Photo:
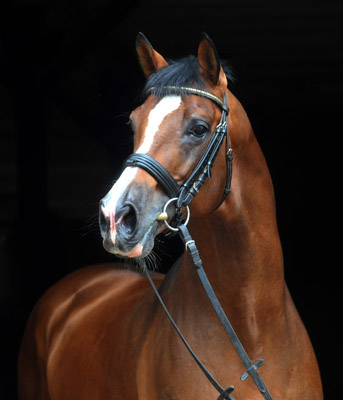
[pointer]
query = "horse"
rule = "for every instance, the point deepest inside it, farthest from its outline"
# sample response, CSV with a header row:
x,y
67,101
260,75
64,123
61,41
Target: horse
x,y
101,332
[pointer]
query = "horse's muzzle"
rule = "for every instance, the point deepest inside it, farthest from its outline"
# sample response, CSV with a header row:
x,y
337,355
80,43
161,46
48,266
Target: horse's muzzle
x,y
129,223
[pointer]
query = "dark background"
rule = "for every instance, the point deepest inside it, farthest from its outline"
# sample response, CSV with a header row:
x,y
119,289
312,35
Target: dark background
x,y
68,80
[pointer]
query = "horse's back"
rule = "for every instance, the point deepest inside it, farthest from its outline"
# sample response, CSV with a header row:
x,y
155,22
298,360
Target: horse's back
x,y
71,344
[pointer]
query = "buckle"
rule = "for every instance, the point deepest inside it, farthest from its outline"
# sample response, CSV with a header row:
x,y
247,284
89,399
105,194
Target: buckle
x,y
229,154
252,369
225,394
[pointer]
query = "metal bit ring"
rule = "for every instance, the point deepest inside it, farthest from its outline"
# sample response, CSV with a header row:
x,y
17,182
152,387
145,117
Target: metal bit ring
x,y
165,211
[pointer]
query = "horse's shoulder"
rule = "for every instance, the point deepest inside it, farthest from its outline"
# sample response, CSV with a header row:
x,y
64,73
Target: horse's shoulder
x,y
95,308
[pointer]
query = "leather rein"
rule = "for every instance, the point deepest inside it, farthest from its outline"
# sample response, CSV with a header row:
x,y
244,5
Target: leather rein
x,y
182,196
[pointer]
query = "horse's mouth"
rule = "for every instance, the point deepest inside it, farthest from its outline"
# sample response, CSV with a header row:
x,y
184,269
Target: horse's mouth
x,y
138,247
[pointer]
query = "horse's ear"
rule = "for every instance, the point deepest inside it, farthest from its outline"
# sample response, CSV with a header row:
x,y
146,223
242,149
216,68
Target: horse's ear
x,y
149,59
209,60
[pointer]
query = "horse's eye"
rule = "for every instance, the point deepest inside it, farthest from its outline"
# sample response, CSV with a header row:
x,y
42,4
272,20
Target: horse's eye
x,y
199,130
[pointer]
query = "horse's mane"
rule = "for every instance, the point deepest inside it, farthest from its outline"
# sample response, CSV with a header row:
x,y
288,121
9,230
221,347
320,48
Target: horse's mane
x,y
184,72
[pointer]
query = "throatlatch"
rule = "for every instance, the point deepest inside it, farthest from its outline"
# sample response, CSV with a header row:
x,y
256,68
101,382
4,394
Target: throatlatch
x,y
182,196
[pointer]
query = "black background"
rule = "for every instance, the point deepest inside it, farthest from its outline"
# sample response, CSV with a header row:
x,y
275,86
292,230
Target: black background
x,y
68,80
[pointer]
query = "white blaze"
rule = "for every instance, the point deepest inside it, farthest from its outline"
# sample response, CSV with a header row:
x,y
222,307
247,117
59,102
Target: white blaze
x,y
164,107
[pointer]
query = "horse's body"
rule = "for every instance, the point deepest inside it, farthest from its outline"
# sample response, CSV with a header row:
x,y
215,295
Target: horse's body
x,y
100,333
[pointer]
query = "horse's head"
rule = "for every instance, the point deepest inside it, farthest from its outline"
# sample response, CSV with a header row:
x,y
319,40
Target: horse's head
x,y
174,127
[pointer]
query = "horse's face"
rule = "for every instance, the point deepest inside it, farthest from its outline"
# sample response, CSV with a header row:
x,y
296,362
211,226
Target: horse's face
x,y
175,132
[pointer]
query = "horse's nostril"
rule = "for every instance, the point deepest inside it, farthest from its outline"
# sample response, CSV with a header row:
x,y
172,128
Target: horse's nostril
x,y
129,220
126,218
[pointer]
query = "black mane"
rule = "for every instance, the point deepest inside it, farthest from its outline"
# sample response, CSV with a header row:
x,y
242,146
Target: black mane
x,y
184,72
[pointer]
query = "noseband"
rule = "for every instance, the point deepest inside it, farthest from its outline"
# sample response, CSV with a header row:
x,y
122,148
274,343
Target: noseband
x,y
183,196
202,171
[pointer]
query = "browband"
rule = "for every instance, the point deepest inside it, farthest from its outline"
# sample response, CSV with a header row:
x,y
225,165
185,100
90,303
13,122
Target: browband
x,y
195,91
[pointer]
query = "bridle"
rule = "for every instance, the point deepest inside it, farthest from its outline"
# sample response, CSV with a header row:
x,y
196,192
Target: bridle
x,y
202,171
182,196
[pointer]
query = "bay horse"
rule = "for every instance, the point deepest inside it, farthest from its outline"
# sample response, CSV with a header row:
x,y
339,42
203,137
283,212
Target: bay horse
x,y
101,332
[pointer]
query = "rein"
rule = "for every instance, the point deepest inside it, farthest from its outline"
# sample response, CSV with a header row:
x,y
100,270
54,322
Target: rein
x,y
183,196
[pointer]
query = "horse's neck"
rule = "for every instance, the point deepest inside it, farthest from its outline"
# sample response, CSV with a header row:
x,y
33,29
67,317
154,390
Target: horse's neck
x,y
239,243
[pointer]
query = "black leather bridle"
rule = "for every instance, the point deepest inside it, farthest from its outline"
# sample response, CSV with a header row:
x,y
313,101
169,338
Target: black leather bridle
x,y
202,171
183,196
